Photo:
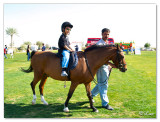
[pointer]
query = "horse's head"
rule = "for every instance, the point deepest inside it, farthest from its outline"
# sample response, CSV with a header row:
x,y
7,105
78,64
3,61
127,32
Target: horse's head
x,y
119,60
106,53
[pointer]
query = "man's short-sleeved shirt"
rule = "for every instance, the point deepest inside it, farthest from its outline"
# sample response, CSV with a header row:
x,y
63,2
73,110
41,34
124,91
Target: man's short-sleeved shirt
x,y
101,42
34,47
63,40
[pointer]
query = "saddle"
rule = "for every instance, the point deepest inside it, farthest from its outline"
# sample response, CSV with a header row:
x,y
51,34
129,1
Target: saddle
x,y
73,61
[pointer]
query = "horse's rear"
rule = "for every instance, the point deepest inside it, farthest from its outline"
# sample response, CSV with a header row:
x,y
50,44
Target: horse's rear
x,y
43,64
46,63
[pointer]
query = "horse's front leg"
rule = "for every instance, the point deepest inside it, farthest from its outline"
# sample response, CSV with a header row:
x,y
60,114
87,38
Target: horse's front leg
x,y
88,90
71,90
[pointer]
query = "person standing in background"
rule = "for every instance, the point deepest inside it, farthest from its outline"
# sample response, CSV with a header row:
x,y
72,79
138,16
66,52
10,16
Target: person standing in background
x,y
28,53
34,47
5,50
76,48
43,47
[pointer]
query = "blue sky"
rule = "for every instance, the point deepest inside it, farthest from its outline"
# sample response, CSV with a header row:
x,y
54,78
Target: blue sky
x,y
42,22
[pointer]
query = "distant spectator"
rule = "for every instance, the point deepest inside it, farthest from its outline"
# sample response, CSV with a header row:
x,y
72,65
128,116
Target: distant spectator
x,y
5,52
6,49
132,51
76,48
127,51
34,47
43,47
28,53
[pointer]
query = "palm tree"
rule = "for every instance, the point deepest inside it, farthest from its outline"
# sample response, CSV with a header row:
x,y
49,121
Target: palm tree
x,y
11,32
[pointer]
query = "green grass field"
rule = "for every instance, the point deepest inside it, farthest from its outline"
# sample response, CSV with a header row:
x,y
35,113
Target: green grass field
x,y
131,94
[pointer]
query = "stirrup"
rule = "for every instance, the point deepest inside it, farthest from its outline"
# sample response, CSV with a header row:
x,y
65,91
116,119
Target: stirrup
x,y
64,73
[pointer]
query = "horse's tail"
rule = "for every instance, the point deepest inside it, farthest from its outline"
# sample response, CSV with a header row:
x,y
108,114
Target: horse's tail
x,y
32,53
30,69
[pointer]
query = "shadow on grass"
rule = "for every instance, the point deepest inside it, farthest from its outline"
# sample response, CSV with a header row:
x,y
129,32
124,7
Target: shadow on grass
x,y
54,110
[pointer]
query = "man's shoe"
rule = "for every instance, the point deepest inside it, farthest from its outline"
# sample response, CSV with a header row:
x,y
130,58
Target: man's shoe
x,y
107,107
64,73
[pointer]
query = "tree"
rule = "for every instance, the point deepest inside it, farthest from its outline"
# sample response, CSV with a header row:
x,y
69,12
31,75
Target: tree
x,y
11,32
11,44
147,45
39,43
47,46
22,47
28,43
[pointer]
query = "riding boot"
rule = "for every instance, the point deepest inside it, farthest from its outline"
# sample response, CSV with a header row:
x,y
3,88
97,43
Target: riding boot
x,y
64,73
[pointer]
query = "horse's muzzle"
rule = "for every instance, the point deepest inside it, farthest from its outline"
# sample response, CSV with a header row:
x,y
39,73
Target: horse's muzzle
x,y
123,69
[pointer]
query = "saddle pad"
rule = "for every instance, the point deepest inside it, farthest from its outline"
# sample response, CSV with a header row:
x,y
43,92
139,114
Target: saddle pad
x,y
73,60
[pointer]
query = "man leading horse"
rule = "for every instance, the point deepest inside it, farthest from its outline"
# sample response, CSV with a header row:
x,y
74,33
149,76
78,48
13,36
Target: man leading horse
x,y
103,74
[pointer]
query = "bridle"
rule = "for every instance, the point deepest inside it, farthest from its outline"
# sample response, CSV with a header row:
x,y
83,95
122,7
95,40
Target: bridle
x,y
120,65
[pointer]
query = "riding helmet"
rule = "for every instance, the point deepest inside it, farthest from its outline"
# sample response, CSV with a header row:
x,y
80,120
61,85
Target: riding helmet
x,y
66,24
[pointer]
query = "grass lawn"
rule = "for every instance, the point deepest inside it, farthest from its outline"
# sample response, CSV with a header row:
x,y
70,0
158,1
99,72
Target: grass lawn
x,y
131,94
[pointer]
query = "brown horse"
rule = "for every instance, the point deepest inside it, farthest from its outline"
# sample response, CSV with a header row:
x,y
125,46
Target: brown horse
x,y
47,64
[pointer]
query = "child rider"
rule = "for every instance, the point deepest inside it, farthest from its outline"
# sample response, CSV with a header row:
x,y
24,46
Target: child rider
x,y
64,46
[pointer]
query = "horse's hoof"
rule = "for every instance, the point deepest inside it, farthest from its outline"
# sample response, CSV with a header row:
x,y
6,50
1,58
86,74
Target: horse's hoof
x,y
66,109
45,103
33,102
95,111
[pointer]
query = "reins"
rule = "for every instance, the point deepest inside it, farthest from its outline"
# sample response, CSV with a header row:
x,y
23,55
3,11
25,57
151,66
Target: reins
x,y
94,80
119,65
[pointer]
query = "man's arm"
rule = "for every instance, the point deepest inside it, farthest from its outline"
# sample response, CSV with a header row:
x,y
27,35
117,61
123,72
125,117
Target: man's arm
x,y
112,65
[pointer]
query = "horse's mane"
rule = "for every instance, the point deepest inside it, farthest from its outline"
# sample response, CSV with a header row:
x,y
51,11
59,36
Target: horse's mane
x,y
93,47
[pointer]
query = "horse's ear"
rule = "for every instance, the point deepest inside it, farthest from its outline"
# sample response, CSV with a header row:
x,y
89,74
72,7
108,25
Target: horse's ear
x,y
117,46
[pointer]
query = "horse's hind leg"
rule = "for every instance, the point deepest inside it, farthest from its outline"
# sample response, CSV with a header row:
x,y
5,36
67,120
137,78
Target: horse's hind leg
x,y
41,87
71,90
88,90
33,90
37,77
